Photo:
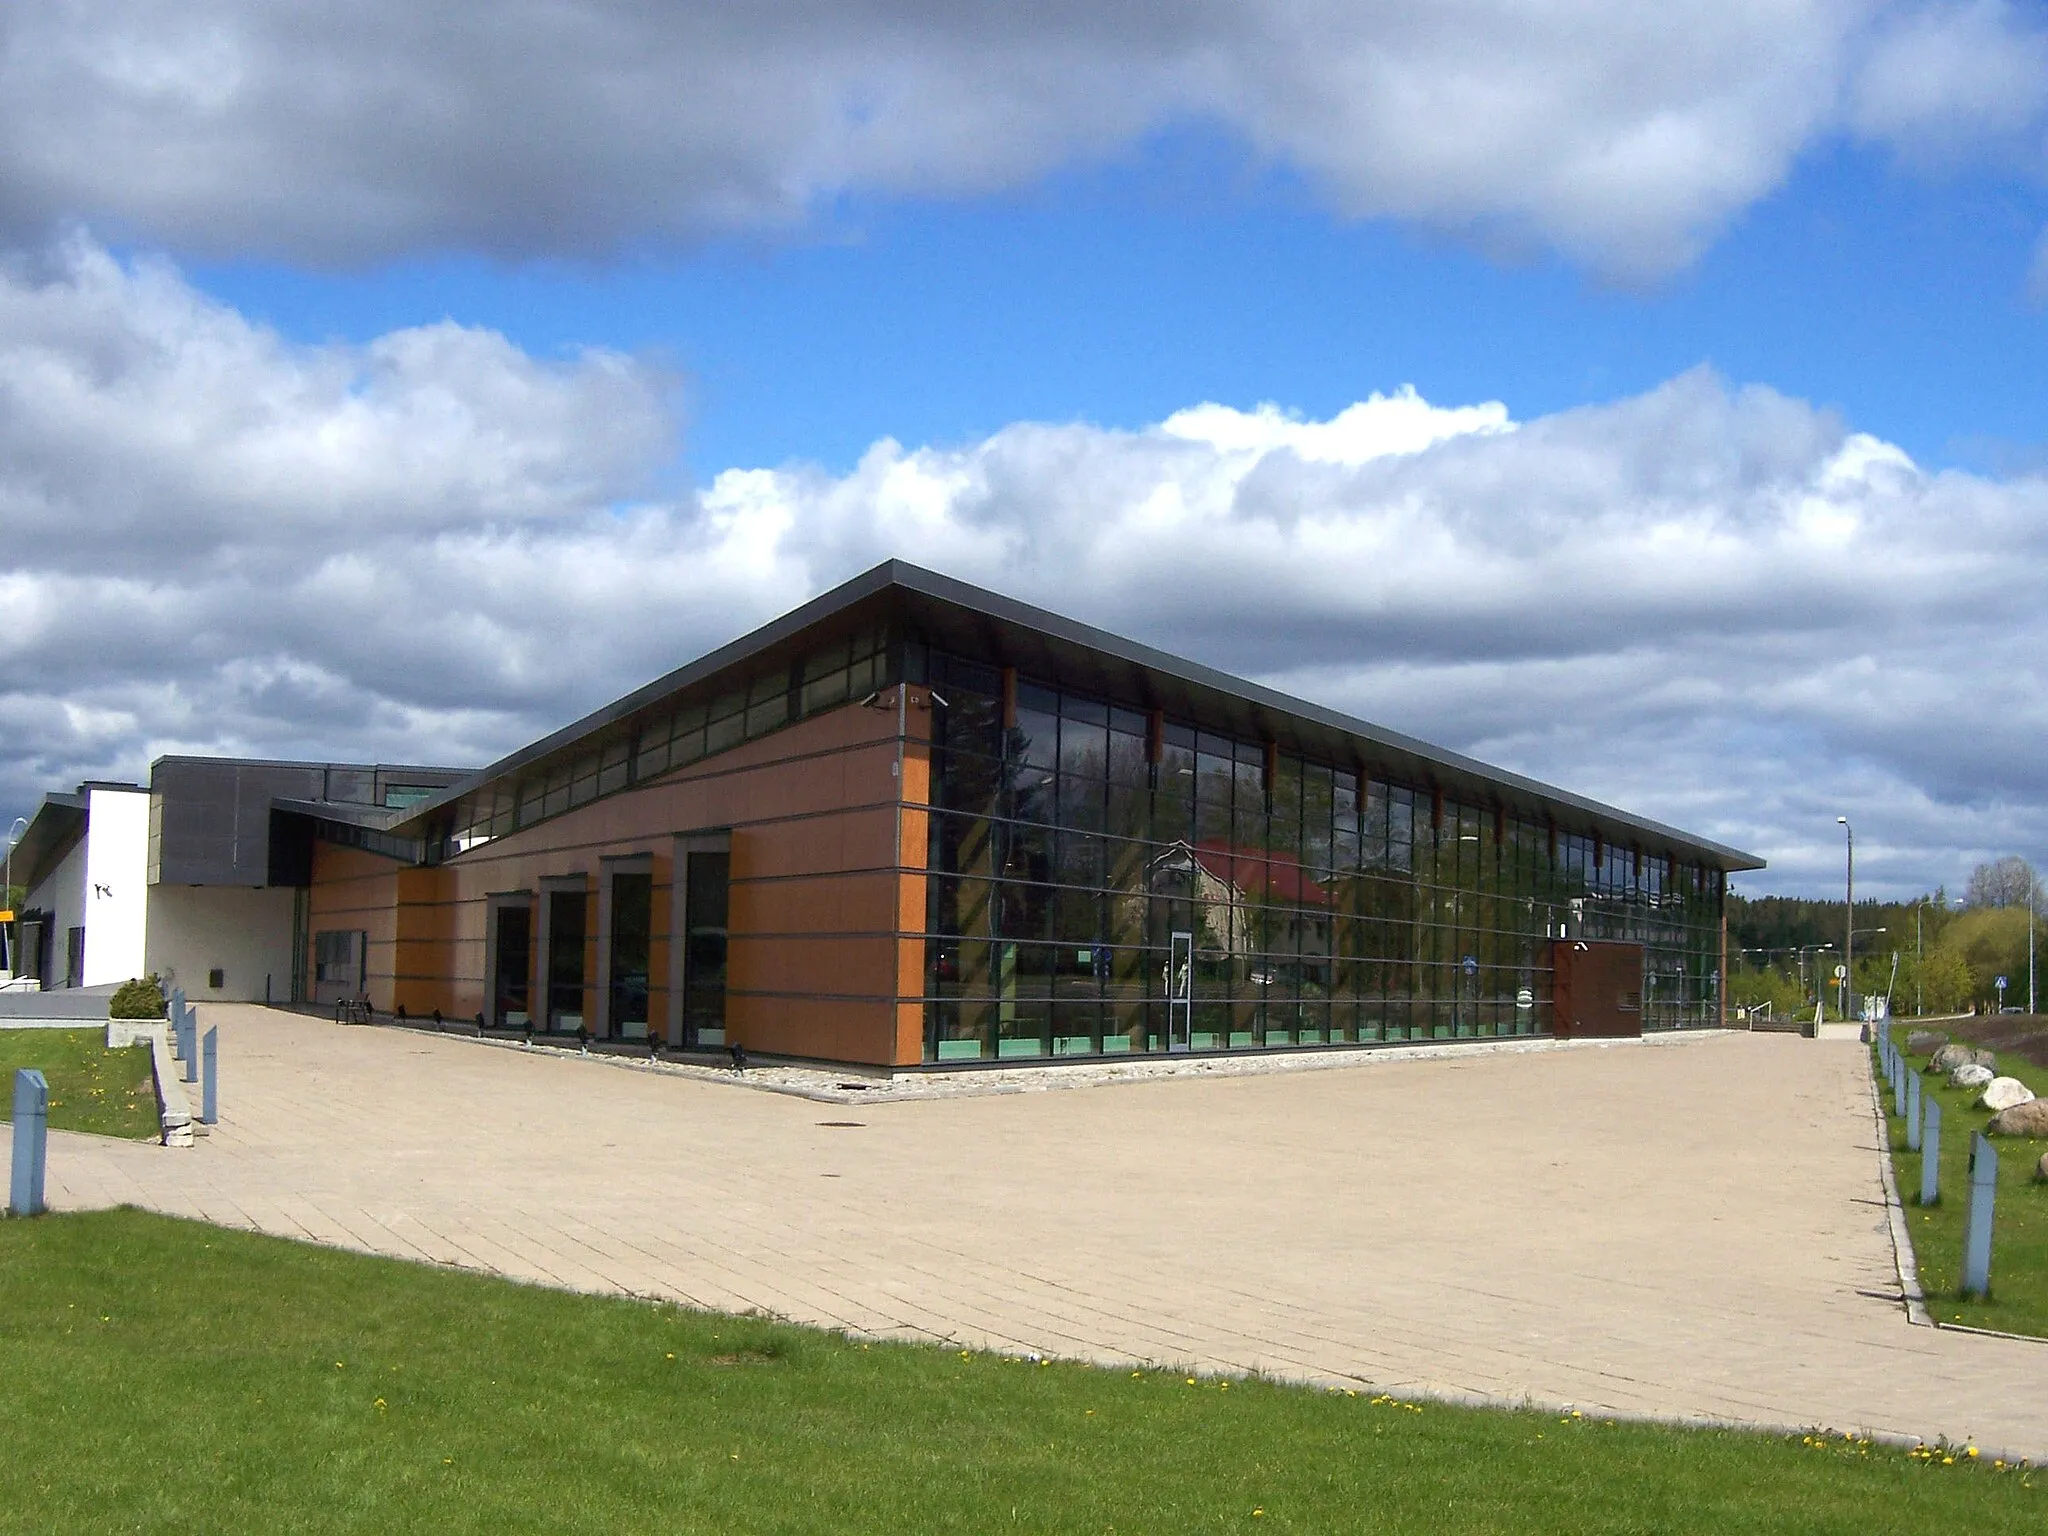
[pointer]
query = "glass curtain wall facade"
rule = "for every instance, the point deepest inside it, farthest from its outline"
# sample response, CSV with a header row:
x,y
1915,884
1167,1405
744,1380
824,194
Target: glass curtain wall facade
x,y
1090,866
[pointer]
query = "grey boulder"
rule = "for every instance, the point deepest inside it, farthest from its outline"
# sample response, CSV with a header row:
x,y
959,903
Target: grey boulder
x,y
1970,1075
1956,1054
2028,1119
2003,1093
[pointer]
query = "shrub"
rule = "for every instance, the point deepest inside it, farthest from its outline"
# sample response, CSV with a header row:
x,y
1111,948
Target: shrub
x,y
142,998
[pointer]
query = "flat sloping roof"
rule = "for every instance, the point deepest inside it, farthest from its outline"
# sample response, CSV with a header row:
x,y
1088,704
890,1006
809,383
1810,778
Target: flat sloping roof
x,y
962,617
52,829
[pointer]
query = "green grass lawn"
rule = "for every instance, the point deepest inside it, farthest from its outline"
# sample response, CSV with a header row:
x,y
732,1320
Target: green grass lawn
x,y
168,1376
111,1093
2018,1302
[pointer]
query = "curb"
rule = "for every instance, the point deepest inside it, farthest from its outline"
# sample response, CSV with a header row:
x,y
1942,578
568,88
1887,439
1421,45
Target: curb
x,y
1902,1241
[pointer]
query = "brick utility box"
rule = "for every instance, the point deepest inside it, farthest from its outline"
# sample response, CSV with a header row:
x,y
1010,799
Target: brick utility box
x,y
1597,989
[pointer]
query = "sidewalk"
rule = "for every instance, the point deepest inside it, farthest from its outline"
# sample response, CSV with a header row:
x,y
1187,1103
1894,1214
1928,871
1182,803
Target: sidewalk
x,y
1692,1231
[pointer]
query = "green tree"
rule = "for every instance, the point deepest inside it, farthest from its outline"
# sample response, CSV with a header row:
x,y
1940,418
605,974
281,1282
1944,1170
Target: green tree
x,y
1749,986
1945,980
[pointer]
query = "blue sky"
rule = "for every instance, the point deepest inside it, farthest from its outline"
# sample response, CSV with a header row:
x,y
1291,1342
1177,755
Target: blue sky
x,y
403,381
1121,294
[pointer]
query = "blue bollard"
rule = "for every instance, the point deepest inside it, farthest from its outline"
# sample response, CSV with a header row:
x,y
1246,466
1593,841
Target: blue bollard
x,y
1913,1103
1930,1152
31,1141
1977,1228
209,1095
191,1050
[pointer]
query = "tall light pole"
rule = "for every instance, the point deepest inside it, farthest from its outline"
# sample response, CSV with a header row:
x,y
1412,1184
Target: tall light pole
x,y
1849,922
1919,983
2030,940
7,896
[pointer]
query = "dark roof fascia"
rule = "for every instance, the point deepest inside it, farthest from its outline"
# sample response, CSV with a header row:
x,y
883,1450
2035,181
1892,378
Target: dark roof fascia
x,y
387,769
819,609
376,817
51,833
992,606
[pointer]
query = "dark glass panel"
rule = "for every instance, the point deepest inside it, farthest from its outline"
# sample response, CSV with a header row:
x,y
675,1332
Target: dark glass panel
x,y
1036,740
632,900
514,960
706,894
567,911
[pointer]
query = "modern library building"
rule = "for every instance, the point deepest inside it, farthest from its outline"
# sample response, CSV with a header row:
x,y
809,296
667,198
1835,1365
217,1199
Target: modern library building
x,y
914,822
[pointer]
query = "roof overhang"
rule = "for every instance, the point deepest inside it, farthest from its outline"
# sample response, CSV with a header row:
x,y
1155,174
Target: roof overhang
x,y
986,626
52,832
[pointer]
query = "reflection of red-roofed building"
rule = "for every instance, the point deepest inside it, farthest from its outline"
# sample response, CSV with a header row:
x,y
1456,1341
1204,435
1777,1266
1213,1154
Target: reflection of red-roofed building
x,y
1258,905
1260,874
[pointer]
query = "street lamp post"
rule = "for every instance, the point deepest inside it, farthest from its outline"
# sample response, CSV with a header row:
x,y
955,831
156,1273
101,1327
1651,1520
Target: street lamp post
x,y
2030,940
1919,981
1849,920
7,896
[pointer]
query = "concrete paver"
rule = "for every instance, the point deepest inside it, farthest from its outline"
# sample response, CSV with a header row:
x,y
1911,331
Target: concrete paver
x,y
1684,1230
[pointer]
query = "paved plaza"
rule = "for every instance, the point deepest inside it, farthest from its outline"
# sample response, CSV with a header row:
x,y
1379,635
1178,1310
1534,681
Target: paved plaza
x,y
1690,1229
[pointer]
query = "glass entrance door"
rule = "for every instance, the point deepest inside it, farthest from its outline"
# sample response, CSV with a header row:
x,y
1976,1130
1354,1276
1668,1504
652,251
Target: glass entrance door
x,y
1180,991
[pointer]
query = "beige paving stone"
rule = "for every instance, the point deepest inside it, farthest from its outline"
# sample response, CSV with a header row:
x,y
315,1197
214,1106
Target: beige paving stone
x,y
1689,1230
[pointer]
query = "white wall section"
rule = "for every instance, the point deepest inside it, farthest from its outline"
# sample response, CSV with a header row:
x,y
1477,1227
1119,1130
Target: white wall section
x,y
244,932
116,883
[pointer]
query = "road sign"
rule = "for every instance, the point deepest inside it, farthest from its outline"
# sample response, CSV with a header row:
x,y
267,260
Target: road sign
x,y
1841,973
6,917
2000,983
1471,965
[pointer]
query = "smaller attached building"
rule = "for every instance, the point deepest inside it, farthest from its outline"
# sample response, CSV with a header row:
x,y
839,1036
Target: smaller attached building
x,y
199,878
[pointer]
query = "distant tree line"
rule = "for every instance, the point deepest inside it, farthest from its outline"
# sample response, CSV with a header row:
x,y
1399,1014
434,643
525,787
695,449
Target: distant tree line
x,y
1783,950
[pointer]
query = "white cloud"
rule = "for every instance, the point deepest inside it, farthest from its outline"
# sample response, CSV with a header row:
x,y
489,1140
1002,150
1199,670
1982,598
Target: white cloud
x,y
1713,605
1938,80
1622,134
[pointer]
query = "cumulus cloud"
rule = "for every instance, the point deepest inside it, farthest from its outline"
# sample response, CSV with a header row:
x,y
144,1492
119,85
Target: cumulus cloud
x,y
1711,604
1622,134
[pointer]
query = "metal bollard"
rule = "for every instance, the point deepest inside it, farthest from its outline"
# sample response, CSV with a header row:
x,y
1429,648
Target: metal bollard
x,y
31,1141
1913,1103
209,1094
1977,1228
1930,1152
191,1051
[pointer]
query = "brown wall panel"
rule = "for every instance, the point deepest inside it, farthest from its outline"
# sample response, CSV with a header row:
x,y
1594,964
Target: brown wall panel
x,y
825,966
822,1028
352,889
424,953
911,908
1596,989
813,823
821,904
